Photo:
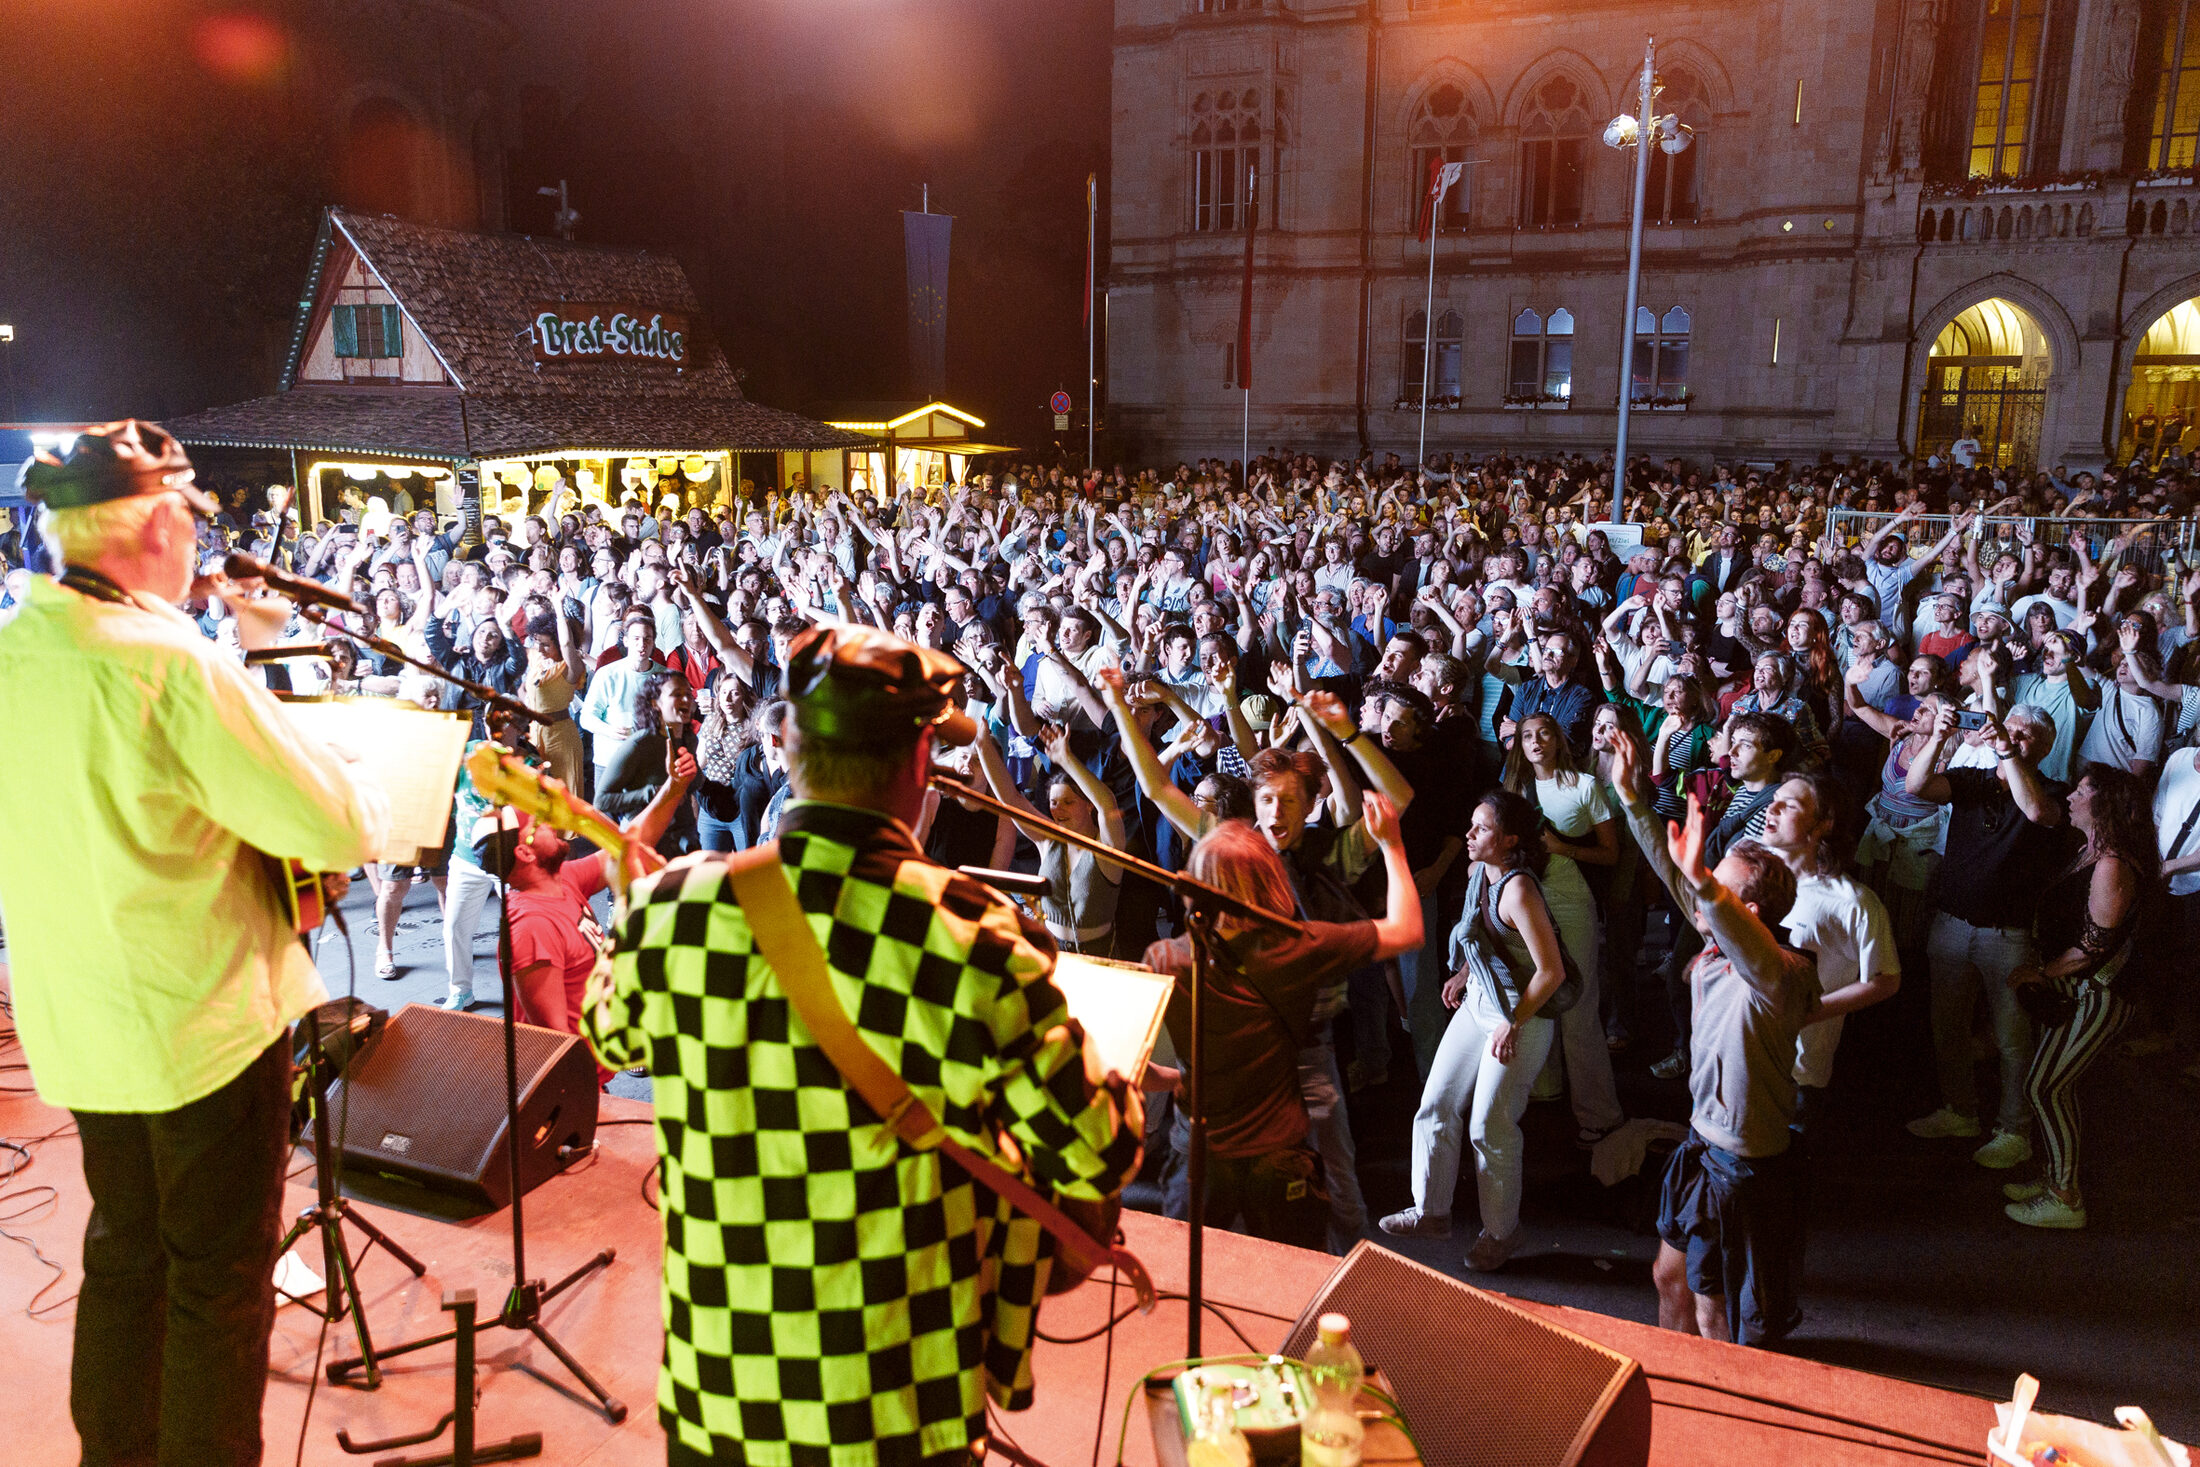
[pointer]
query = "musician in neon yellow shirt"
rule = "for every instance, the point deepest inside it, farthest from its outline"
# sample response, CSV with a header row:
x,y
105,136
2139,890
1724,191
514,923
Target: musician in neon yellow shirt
x,y
154,970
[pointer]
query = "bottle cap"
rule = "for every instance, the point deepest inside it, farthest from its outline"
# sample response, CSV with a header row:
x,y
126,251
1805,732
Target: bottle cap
x,y
1334,1327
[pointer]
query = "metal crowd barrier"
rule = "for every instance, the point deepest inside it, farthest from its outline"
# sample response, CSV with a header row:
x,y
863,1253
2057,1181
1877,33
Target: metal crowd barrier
x,y
2151,544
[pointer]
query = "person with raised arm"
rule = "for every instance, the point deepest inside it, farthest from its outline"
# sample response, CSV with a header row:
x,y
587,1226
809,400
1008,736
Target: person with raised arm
x,y
1730,1216
1079,909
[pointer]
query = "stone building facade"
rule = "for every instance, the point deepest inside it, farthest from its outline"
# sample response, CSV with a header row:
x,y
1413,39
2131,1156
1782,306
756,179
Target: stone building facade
x,y
415,102
1899,219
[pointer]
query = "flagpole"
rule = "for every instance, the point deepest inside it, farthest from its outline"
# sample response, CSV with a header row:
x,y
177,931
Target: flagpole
x,y
1645,140
1428,336
1092,286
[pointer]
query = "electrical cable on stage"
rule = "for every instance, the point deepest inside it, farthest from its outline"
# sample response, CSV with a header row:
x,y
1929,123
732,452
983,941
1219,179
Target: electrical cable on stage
x,y
1107,1367
46,1197
1932,1451
1800,1410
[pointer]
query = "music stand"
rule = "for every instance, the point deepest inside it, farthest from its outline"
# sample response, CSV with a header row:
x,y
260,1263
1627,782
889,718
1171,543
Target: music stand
x,y
1203,904
330,1210
523,1304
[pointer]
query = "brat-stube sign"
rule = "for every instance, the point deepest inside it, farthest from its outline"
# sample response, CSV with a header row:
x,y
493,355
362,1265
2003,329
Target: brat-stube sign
x,y
590,332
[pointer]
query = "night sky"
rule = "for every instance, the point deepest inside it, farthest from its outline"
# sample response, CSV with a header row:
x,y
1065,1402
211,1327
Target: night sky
x,y
160,183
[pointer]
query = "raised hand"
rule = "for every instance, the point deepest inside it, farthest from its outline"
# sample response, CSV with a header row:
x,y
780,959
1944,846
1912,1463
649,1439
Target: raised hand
x,y
1381,816
1328,710
1684,842
1626,768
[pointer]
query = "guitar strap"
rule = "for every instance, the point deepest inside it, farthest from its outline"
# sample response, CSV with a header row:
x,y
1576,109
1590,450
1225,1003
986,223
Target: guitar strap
x,y
784,937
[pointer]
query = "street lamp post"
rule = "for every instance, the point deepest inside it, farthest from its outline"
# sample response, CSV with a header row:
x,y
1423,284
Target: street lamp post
x,y
1637,130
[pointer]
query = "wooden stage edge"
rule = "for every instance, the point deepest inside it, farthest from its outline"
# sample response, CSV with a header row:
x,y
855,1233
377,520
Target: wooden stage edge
x,y
610,1323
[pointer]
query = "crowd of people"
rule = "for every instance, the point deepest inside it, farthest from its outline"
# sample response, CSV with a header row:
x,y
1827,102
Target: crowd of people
x,y
1458,703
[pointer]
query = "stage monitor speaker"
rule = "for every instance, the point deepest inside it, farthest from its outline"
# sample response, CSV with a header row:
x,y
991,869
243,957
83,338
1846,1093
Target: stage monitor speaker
x,y
1479,1380
426,1104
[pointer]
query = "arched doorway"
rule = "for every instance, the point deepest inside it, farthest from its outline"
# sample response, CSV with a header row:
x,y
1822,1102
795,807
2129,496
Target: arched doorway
x,y
2162,405
1986,377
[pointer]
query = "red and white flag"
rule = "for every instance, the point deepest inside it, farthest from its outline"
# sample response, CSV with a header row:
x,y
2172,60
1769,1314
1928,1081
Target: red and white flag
x,y
1441,176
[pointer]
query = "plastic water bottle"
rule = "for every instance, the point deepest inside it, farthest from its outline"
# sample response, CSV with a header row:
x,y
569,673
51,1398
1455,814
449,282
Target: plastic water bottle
x,y
1330,1434
1216,1440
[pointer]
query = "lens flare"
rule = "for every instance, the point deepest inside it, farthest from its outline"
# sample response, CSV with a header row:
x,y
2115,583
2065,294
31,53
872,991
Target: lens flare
x,y
242,47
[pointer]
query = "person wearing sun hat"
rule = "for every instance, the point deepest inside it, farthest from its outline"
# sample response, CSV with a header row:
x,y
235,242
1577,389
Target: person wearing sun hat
x,y
154,969
946,980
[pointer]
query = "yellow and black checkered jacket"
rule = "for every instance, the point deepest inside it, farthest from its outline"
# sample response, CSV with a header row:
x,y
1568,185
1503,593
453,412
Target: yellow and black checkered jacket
x,y
831,1295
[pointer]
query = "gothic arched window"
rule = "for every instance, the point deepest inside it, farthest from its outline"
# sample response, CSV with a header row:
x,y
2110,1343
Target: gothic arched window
x,y
1673,197
1443,131
1554,143
1227,172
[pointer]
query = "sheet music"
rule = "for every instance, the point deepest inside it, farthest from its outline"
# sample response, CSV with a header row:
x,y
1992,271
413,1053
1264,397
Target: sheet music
x,y
1120,1006
411,753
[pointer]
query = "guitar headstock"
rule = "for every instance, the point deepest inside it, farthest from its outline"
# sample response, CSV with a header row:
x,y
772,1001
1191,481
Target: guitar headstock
x,y
501,778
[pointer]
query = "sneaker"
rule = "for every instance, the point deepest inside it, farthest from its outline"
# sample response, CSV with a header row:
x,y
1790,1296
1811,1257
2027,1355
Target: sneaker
x,y
1489,1254
2047,1211
2023,1191
1675,1065
462,1002
1414,1223
2005,1150
1942,1122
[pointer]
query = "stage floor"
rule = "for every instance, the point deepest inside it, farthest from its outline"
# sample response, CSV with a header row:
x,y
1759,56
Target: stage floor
x,y
610,1323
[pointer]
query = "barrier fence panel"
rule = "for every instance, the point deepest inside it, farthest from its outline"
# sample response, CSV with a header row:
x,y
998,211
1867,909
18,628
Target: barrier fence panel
x,y
2153,545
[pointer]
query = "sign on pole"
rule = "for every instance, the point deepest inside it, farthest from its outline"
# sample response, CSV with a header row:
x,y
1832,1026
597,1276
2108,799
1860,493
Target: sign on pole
x,y
1058,404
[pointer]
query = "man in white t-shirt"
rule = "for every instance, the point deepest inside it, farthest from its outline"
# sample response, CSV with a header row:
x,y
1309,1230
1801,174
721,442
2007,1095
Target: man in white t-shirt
x,y
1967,450
1837,919
2127,732
2062,584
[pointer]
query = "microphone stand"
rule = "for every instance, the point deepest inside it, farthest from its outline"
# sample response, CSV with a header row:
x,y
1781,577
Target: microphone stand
x,y
523,1305
1202,905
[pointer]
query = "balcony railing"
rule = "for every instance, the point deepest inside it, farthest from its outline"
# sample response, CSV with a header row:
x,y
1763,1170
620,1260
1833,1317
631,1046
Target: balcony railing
x,y
2007,211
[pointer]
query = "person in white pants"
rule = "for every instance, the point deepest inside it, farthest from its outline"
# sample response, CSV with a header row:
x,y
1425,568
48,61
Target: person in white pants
x,y
464,897
1488,1057
469,886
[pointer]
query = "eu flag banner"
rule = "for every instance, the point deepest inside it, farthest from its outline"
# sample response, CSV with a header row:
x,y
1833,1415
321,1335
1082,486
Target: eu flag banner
x,y
924,241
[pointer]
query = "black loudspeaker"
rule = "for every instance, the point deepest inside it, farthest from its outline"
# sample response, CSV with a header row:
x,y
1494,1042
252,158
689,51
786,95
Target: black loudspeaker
x,y
1477,1379
426,1104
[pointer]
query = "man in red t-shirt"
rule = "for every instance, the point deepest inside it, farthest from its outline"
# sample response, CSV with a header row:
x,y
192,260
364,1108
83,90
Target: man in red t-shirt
x,y
555,935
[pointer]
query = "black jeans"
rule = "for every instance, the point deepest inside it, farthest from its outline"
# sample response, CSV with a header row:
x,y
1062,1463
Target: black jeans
x,y
1280,1194
179,1261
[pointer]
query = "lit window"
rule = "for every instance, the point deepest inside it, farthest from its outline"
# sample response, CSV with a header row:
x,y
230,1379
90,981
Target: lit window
x,y
1542,363
2012,35
1660,368
2177,89
1443,371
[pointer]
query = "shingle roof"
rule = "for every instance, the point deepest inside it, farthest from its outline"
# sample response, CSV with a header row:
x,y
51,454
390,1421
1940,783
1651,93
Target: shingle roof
x,y
430,423
473,297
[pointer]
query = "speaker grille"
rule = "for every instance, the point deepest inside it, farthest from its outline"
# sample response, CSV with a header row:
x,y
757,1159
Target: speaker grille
x,y
1479,1380
428,1100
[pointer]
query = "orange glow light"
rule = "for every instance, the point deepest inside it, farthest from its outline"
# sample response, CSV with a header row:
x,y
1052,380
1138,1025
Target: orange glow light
x,y
243,47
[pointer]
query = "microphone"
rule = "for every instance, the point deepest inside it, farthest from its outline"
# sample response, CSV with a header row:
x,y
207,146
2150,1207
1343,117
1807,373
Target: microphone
x,y
239,566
